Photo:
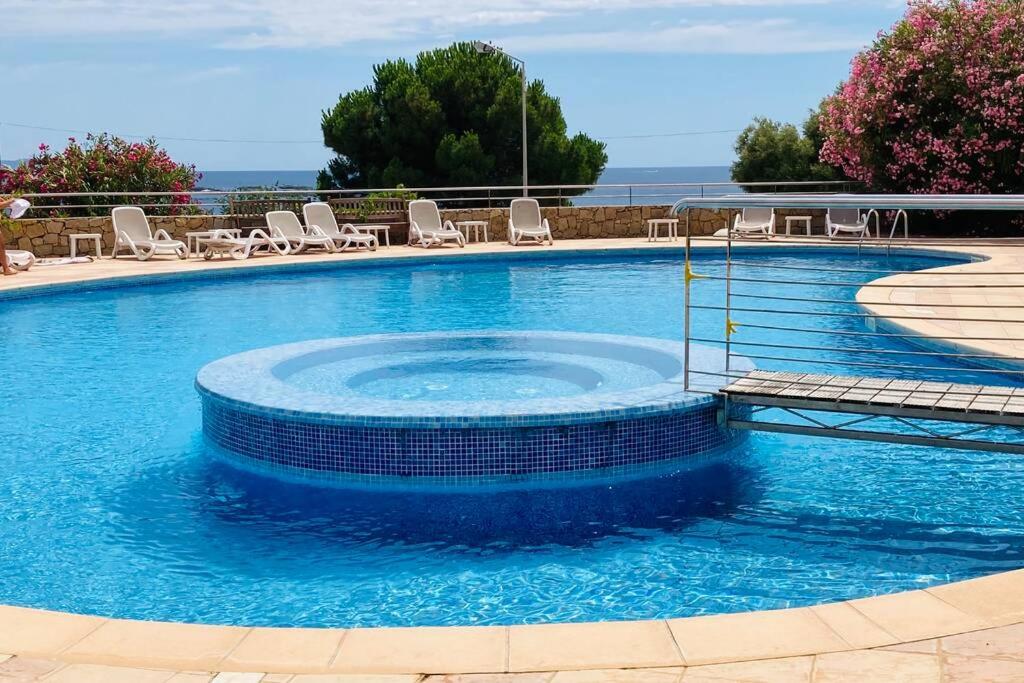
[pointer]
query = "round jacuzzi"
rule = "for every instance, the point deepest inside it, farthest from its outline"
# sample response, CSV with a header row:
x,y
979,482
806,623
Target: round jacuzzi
x,y
463,408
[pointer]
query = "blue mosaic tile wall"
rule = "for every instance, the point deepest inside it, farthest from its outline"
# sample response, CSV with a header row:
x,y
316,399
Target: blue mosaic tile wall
x,y
462,455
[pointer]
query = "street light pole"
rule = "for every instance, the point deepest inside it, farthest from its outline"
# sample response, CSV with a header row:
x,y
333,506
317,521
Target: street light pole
x,y
526,182
486,49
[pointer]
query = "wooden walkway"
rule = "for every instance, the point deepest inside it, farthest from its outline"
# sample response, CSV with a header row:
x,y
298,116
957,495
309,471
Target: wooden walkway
x,y
945,401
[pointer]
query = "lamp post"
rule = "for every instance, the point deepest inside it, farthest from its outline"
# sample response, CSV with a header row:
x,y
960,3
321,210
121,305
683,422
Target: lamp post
x,y
487,49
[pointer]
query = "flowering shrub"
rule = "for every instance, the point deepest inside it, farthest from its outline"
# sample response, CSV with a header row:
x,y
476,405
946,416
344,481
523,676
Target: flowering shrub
x,y
936,105
103,164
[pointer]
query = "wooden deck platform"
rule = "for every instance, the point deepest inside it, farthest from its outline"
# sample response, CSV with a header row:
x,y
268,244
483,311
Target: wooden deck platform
x,y
994,405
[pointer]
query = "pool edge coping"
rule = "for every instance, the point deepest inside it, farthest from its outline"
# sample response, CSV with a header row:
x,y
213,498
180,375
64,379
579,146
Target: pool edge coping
x,y
945,610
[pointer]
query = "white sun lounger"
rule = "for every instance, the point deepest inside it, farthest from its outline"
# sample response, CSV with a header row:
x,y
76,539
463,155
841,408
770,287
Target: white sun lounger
x,y
286,224
132,232
241,248
524,221
19,259
846,220
755,221
320,215
426,228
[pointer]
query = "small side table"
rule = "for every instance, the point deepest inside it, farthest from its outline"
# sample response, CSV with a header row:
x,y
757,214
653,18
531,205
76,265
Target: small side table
x,y
376,230
194,240
95,237
806,220
475,225
654,225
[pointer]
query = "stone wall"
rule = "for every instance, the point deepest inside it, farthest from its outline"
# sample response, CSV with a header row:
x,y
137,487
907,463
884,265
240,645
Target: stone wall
x,y
573,222
49,236
606,222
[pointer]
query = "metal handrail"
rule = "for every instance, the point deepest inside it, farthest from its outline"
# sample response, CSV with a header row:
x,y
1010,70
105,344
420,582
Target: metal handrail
x,y
298,195
895,224
804,381
468,188
878,223
904,202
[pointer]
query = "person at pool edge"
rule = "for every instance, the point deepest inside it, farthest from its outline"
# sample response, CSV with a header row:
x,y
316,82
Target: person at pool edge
x,y
4,203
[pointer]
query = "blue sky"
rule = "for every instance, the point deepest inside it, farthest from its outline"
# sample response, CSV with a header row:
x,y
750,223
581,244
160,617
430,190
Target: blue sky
x,y
265,69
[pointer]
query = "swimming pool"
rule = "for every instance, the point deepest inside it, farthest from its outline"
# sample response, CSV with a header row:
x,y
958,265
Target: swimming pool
x,y
110,503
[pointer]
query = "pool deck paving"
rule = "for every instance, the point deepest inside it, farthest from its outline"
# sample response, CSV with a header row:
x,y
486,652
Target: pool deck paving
x,y
967,631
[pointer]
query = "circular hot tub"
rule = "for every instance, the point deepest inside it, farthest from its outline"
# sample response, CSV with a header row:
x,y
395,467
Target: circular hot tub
x,y
462,408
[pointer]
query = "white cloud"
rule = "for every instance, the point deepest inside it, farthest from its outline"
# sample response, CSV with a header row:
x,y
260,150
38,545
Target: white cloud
x,y
771,36
257,24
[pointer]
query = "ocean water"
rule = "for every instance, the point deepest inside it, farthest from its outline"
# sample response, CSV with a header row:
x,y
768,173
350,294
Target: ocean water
x,y
237,180
111,504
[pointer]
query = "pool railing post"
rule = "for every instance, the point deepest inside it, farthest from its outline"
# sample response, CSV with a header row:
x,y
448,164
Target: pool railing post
x,y
686,307
728,286
724,420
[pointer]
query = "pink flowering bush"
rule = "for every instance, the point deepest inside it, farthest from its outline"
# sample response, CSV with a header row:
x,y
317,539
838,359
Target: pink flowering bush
x,y
936,105
103,164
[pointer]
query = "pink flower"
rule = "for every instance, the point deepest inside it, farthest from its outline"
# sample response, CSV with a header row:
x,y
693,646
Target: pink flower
x,y
934,105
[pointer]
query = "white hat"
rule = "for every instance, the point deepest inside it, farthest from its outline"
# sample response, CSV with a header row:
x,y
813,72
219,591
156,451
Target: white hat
x,y
18,208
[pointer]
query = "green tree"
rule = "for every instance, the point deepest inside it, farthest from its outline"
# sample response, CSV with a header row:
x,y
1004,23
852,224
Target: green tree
x,y
452,118
770,151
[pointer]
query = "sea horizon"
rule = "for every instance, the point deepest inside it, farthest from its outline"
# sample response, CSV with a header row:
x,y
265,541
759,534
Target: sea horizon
x,y
299,179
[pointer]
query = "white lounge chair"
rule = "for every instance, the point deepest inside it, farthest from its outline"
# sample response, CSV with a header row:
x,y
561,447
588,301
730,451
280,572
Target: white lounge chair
x,y
132,232
426,228
755,220
524,221
320,215
286,224
223,242
846,220
19,259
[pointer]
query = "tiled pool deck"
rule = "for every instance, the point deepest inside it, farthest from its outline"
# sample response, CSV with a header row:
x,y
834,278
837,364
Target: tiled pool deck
x,y
967,631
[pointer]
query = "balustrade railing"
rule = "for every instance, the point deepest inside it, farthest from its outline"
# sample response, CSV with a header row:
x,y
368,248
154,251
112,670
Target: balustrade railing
x,y
474,197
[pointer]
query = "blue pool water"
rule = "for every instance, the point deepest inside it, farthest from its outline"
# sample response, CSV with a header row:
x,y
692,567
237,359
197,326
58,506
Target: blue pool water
x,y
109,503
470,375
478,380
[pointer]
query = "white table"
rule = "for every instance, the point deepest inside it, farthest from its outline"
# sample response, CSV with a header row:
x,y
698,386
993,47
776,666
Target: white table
x,y
475,225
194,240
88,236
654,225
806,220
376,230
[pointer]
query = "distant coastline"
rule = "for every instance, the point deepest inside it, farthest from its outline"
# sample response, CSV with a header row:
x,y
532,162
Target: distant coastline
x,y
234,180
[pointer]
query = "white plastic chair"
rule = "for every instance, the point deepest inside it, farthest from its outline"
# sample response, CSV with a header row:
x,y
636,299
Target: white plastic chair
x,y
846,220
241,248
524,221
132,232
19,259
320,215
755,220
286,224
426,228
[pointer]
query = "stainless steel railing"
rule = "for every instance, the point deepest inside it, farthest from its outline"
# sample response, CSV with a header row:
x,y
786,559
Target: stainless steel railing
x,y
774,296
480,196
933,202
952,334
